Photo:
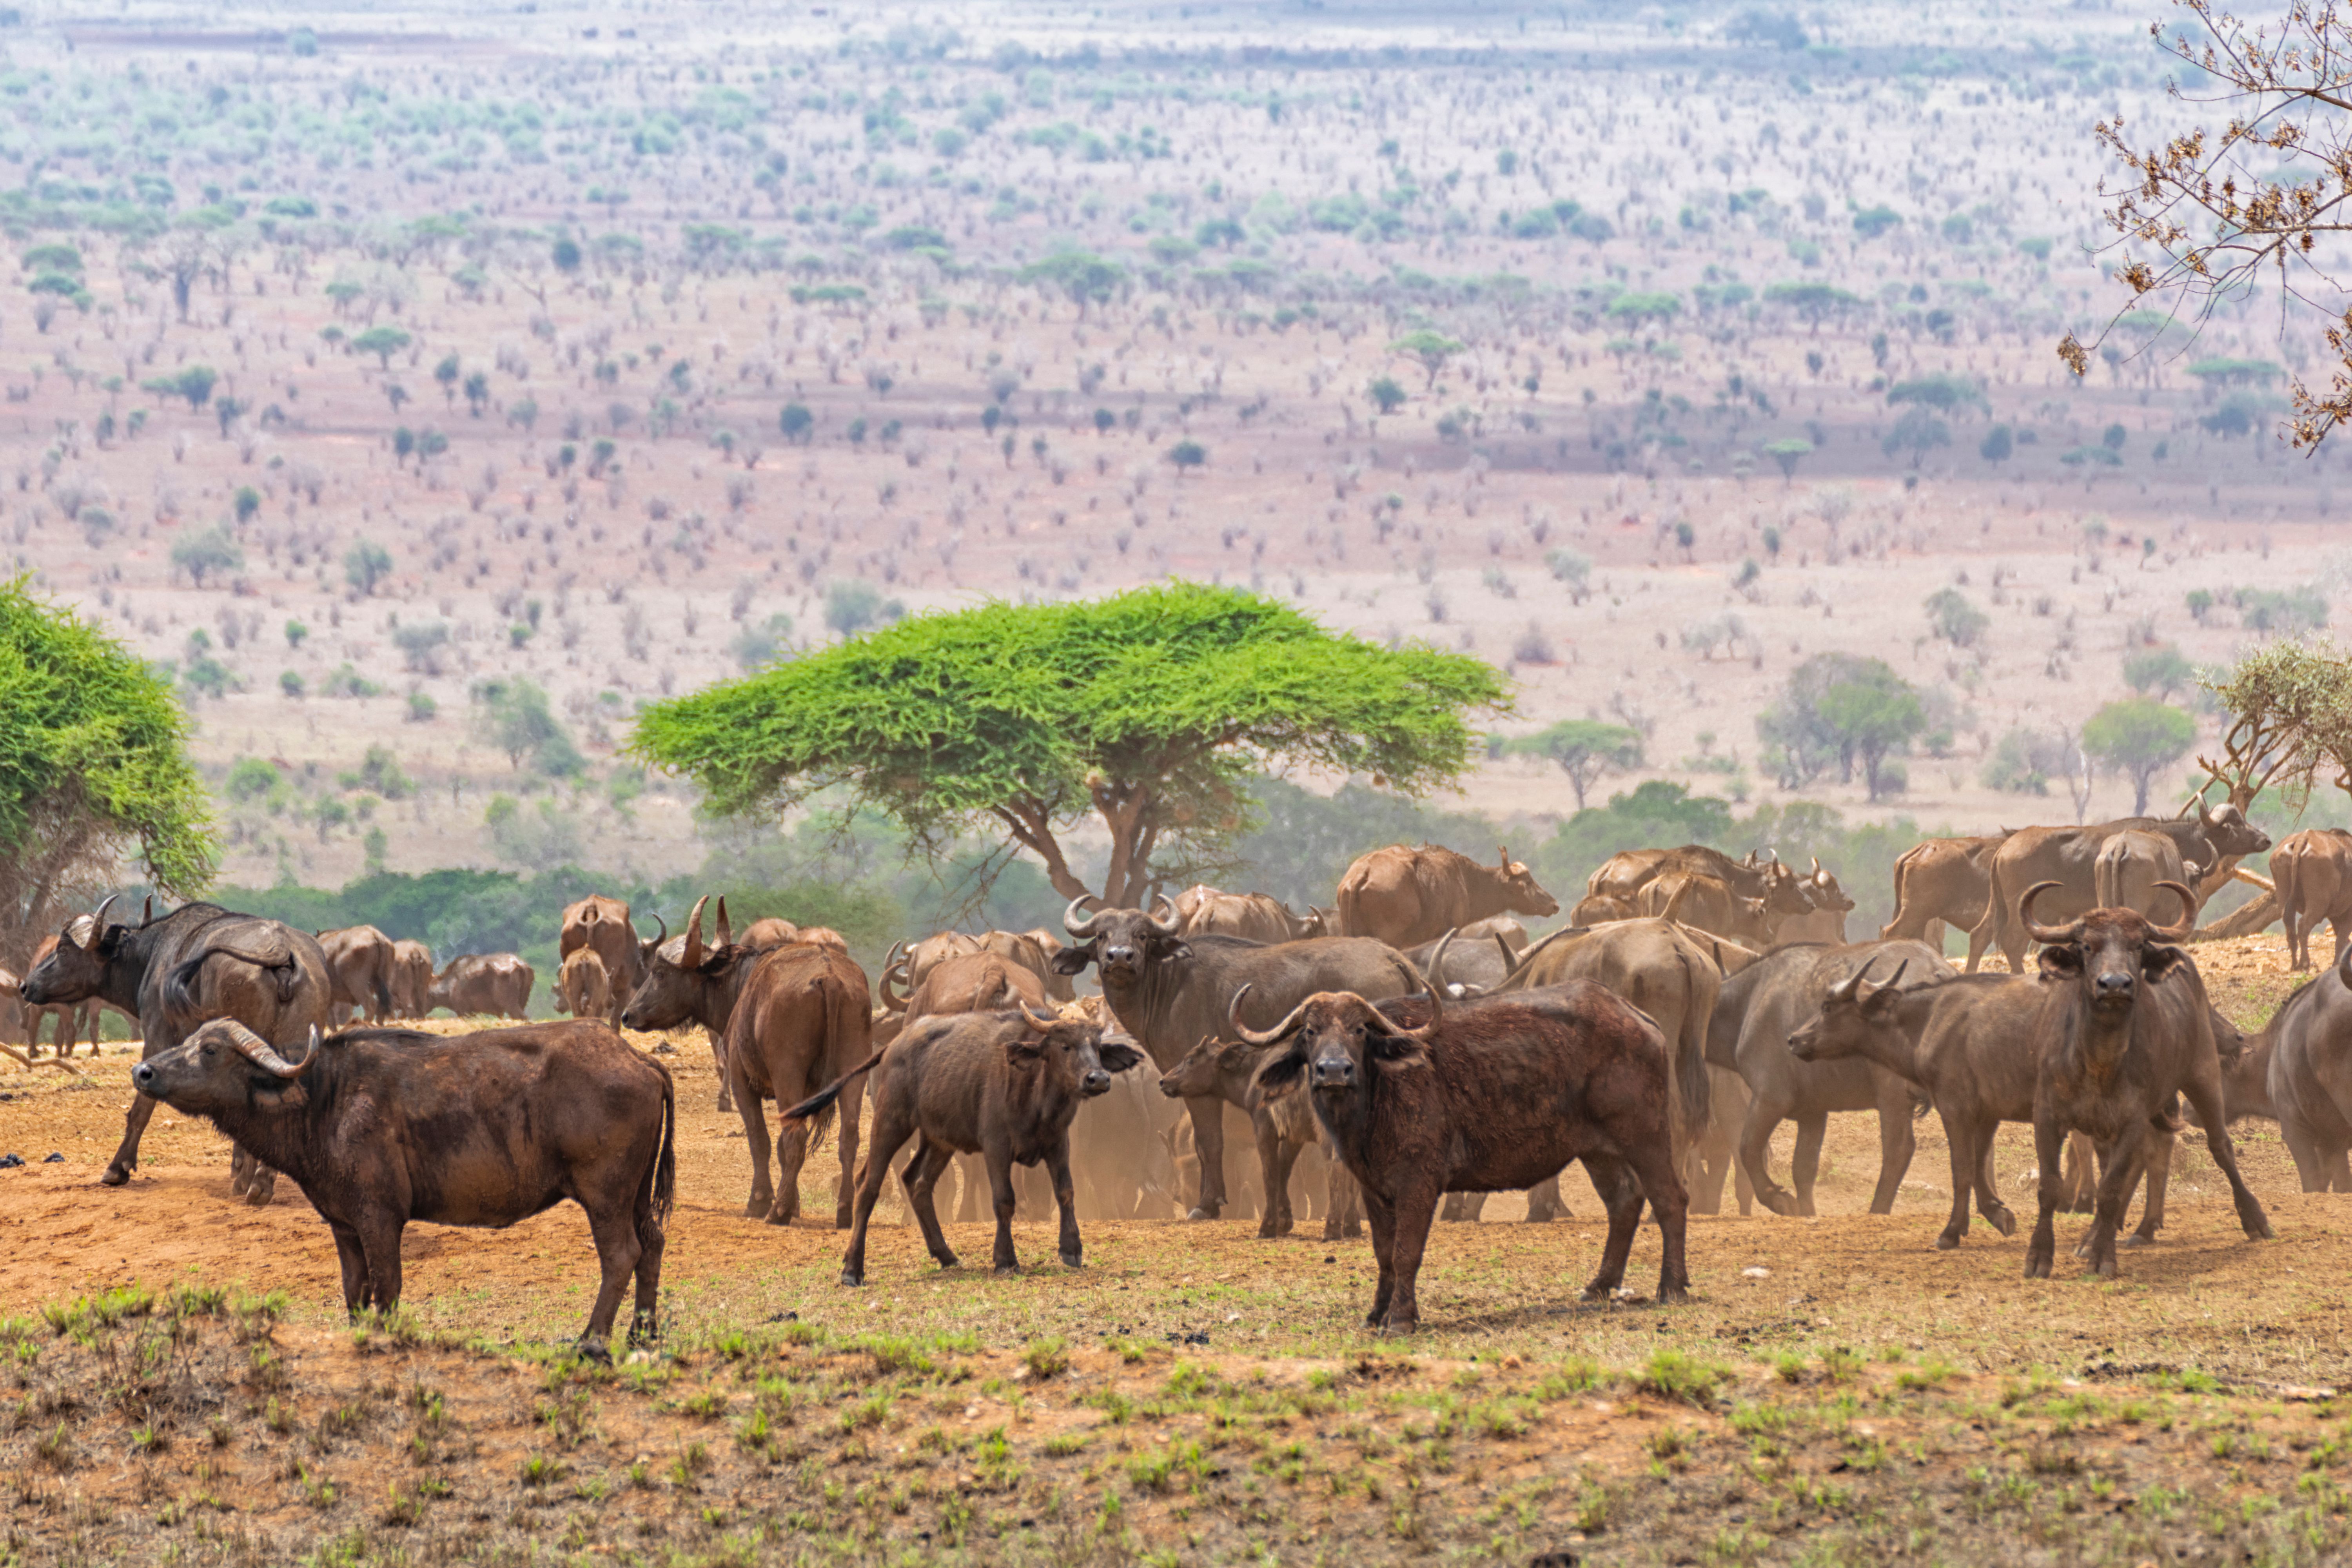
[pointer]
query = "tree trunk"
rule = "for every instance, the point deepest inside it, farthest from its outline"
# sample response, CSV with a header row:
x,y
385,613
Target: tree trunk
x,y
2245,920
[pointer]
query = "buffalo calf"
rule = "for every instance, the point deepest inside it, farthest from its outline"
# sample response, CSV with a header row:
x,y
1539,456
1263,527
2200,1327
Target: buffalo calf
x,y
1003,1085
379,1126
1490,1098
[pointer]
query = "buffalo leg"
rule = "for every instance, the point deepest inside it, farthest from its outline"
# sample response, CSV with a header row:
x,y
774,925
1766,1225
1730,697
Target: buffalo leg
x,y
1208,1113
1988,1204
380,1241
1545,1204
1896,1143
719,1060
1275,1155
2204,1092
1414,1211
2159,1167
1805,1160
2120,1165
2079,1175
792,1154
1344,1206
1961,1136
970,1176
1755,1153
850,1110
755,1137
645,1323
1381,1215
1462,1209
922,1181
999,1188
618,1250
2048,1139
134,1128
1065,1198
1621,1194
354,1257
888,1134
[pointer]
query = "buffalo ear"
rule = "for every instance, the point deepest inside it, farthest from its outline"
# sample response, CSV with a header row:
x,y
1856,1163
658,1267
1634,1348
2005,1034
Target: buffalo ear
x,y
1023,1049
1172,948
2061,962
1074,960
1395,1050
1881,1001
2156,961
1280,1072
1117,1057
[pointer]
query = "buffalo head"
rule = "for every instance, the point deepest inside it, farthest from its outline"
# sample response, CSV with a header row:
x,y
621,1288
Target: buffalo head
x,y
1852,1011
1337,1040
1197,1074
1120,942
1086,1051
221,1069
1823,890
2232,833
1527,895
73,969
2109,951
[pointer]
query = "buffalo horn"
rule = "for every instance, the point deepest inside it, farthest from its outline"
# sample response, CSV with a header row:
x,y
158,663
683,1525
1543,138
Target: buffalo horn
x,y
2042,933
1273,1036
257,1051
97,924
2187,916
725,931
692,957
892,1000
1172,926
147,914
1843,991
1437,959
1081,930
1041,1022
661,933
1423,1034
1892,982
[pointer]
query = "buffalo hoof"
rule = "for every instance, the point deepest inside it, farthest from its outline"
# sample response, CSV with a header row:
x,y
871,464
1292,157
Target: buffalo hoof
x,y
589,1350
726,1102
2037,1268
257,1195
851,1277
1202,1213
2136,1239
779,1214
2004,1221
1007,1271
1336,1231
2106,1269
1946,1242
115,1175
946,1260
1669,1294
756,1209
1777,1203
1074,1260
1397,1328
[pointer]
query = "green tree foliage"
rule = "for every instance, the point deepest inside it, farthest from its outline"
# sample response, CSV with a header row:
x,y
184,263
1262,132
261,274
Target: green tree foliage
x,y
1837,708
513,717
1085,278
1787,452
795,422
1188,455
1385,392
853,605
365,565
1917,432
1998,445
194,383
382,341
1149,710
1433,349
2135,736
2159,671
1944,393
93,767
1812,302
2290,707
1585,749
207,553
1952,616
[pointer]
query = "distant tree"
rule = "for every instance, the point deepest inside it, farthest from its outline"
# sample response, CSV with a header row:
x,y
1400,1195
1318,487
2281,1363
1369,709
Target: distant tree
x,y
1433,349
1839,709
193,383
1149,712
382,341
446,372
1997,445
1085,278
1916,432
566,255
853,605
2158,670
1812,302
1385,392
512,716
365,565
201,556
478,393
2135,736
295,632
1187,455
795,422
246,502
1942,392
1952,617
1585,749
1787,452
94,770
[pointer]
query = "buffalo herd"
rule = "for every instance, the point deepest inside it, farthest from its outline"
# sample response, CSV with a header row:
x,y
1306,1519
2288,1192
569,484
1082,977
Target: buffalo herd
x,y
1408,1049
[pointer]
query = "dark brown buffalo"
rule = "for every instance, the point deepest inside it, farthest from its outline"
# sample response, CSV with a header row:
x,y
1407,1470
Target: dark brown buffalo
x,y
802,1017
412,979
74,1019
686,982
2123,1029
1405,897
1463,965
908,964
1622,876
602,924
380,1127
1943,882
1171,991
2298,1073
2311,871
1423,1099
1286,1128
1003,1085
484,986
359,969
1755,1013
176,970
2069,857
1967,1041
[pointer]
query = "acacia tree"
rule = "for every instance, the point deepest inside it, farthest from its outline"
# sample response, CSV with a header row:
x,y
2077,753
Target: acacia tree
x,y
2208,215
1585,749
2289,706
2135,736
1149,711
93,769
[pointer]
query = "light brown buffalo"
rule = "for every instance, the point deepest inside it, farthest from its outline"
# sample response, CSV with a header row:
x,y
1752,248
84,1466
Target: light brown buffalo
x,y
1943,882
484,986
803,1018
359,969
602,924
2313,872
1405,897
412,979
2069,855
582,987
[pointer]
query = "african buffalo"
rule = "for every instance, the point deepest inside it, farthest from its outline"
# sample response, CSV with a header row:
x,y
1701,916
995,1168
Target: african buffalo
x,y
2068,857
1406,896
803,1016
581,987
1704,904
2123,1029
603,924
74,1019
1943,882
1463,966
484,985
2298,1073
380,1127
1285,1126
1001,1085
412,979
1423,1099
1756,1012
1171,991
2311,871
359,970
1824,921
197,963
1252,915
2132,865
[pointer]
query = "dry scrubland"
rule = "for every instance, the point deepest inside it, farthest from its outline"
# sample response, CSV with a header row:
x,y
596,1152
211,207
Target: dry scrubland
x,y
1008,260
1838,1392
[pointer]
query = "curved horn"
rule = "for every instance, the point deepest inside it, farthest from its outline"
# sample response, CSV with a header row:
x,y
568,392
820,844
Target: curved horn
x,y
1436,1016
725,931
1519,962
1041,1022
257,1051
692,957
1083,929
147,914
2187,916
1273,1036
661,932
1844,990
892,1000
1436,971
2042,933
1892,982
890,959
1174,925
97,924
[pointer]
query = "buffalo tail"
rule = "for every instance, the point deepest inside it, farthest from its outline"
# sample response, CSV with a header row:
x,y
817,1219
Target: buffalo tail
x,y
663,1176
1693,1102
821,1103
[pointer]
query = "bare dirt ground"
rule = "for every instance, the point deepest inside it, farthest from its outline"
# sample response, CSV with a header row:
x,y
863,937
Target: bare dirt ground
x,y
1838,1392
